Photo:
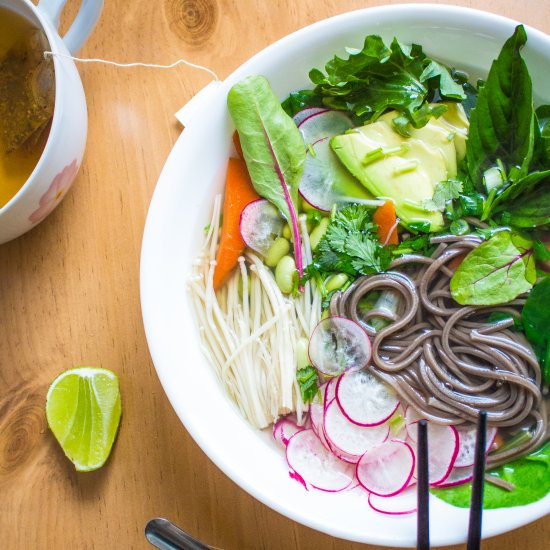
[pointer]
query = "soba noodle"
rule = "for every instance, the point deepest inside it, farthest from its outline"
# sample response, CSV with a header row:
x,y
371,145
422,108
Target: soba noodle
x,y
446,360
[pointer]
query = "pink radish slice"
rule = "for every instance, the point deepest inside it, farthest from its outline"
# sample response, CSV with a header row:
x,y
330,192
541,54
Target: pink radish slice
x,y
364,399
338,344
317,466
467,443
398,505
442,451
324,124
284,429
260,225
386,469
316,414
330,392
300,116
348,438
411,419
458,476
326,182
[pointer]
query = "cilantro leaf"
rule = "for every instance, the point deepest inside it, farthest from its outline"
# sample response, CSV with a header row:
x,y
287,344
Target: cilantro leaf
x,y
444,191
308,381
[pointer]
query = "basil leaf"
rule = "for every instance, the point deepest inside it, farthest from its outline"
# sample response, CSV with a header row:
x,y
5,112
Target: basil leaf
x,y
495,272
536,321
502,122
272,145
520,187
377,78
530,211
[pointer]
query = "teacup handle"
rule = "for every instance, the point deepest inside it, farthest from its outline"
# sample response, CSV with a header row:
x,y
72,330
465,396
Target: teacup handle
x,y
83,24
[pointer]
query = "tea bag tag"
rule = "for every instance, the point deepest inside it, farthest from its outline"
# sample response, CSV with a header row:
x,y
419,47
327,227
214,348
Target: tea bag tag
x,y
198,103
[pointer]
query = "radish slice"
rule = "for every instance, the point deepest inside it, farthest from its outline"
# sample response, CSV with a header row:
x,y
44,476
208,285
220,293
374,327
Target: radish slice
x,y
330,392
364,399
326,182
398,505
338,344
300,116
318,467
260,225
467,443
411,419
442,451
348,438
324,124
458,476
316,414
284,429
386,469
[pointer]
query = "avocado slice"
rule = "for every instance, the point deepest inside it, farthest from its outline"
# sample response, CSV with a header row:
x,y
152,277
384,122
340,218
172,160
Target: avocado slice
x,y
406,170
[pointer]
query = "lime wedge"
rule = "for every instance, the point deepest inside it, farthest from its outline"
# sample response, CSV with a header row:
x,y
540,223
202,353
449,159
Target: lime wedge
x,y
83,411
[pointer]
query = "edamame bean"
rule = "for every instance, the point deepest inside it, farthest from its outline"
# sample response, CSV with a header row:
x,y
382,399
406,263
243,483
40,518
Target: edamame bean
x,y
318,233
284,274
302,356
277,250
287,232
336,281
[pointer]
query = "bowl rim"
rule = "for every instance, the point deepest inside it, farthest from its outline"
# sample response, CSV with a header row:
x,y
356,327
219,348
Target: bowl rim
x,y
148,244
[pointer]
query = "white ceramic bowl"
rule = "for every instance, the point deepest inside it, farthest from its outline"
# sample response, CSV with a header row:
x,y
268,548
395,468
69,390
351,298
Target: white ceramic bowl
x,y
181,207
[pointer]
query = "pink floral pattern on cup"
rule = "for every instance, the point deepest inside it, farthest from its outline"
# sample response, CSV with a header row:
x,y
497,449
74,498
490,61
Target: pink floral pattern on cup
x,y
56,191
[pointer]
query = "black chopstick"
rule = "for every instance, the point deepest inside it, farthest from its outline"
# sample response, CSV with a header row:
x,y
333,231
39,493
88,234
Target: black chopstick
x,y
476,504
422,489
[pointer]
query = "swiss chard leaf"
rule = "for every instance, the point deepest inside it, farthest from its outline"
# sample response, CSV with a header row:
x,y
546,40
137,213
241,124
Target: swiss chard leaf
x,y
502,123
495,272
377,78
536,321
272,145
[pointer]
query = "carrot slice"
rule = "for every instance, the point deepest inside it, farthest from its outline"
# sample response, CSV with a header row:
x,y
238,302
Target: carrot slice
x,y
385,219
238,193
237,144
456,261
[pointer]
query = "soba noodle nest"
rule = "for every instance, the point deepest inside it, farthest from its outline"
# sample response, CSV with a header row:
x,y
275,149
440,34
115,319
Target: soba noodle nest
x,y
446,360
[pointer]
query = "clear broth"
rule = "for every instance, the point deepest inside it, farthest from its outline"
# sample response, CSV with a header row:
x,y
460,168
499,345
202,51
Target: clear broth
x,y
27,89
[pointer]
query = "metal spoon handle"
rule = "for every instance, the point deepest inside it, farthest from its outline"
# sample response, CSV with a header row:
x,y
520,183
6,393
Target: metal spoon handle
x,y
165,535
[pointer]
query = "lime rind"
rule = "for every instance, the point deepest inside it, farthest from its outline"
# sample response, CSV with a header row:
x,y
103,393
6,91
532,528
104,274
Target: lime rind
x,y
83,409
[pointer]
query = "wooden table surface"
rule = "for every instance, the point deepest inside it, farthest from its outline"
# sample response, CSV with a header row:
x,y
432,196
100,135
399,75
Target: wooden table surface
x,y
69,295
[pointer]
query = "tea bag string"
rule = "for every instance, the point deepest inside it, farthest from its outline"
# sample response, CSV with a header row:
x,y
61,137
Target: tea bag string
x,y
135,64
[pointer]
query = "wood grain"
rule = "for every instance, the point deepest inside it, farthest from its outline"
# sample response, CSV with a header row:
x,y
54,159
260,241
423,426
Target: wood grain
x,y
69,295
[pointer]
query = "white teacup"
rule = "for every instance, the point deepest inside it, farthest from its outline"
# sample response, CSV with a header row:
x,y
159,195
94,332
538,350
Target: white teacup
x,y
62,154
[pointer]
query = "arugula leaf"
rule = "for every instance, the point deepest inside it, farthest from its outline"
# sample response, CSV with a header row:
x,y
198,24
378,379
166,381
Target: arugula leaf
x,y
502,123
536,320
377,78
530,211
495,272
308,381
351,245
444,191
273,148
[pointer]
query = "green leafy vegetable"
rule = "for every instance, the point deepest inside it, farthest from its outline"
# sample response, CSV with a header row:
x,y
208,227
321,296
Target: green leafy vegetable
x,y
351,244
502,123
536,320
530,476
495,272
518,188
272,145
296,101
444,191
530,211
377,78
308,381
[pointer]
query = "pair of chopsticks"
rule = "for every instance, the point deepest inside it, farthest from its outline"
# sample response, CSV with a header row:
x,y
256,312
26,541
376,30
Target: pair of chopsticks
x,y
423,495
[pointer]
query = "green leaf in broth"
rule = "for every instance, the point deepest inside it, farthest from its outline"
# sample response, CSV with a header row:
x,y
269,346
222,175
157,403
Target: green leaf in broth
x,y
495,272
272,145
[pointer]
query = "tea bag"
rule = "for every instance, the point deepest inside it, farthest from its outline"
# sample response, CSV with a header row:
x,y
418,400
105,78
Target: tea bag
x,y
27,92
